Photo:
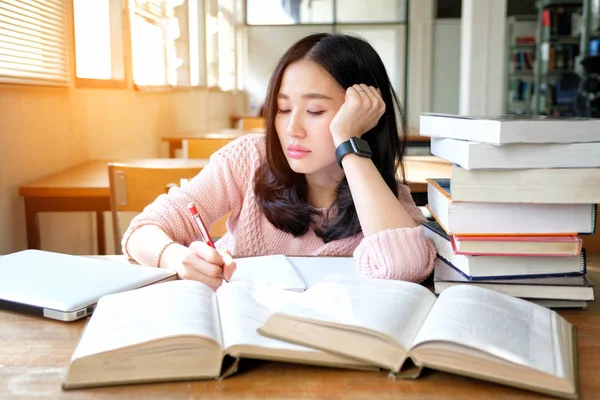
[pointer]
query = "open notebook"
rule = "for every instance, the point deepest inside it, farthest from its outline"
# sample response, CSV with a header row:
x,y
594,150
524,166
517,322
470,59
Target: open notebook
x,y
292,273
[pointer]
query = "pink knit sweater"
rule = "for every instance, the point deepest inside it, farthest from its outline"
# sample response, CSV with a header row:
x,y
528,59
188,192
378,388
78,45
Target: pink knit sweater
x,y
226,184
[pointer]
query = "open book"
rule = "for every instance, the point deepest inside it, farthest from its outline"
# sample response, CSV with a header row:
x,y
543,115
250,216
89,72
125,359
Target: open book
x,y
183,330
467,330
275,270
291,273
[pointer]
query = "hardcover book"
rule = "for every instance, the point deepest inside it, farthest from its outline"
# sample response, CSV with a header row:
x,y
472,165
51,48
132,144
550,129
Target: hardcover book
x,y
500,130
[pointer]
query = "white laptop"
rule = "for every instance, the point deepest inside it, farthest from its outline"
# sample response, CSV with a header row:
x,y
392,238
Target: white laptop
x,y
66,287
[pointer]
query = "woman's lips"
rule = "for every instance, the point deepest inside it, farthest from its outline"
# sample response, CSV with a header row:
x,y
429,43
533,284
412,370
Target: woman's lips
x,y
297,152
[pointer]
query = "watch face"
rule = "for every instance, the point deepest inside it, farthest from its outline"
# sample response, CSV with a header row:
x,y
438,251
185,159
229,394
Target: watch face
x,y
361,146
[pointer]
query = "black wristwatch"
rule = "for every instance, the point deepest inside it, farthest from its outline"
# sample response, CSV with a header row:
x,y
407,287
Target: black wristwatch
x,y
354,145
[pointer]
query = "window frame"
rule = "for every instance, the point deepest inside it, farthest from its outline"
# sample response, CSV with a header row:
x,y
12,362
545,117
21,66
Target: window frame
x,y
165,87
211,10
92,83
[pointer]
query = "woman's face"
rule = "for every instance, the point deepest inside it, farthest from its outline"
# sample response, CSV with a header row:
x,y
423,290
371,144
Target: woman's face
x,y
307,101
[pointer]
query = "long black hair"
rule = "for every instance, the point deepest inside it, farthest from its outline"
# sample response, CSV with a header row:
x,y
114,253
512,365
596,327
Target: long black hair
x,y
282,193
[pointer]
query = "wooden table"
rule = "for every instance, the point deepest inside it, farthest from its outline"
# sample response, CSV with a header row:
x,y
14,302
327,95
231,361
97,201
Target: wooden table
x,y
84,187
35,353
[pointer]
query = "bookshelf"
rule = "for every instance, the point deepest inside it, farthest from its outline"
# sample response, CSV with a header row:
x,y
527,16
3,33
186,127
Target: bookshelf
x,y
520,34
562,39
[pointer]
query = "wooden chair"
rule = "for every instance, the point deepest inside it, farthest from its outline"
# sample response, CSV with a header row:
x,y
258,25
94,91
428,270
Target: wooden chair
x,y
251,123
135,184
204,148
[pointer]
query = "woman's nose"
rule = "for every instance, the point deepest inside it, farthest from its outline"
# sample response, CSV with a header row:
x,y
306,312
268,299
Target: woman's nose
x,y
295,127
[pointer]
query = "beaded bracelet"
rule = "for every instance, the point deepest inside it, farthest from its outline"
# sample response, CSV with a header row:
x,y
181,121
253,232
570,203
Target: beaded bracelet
x,y
160,254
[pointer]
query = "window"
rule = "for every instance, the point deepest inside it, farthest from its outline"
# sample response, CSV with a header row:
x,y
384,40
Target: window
x,y
289,12
221,43
160,42
292,12
99,54
33,42
274,25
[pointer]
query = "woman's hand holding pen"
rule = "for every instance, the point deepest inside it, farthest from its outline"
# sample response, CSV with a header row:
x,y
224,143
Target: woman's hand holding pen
x,y
205,264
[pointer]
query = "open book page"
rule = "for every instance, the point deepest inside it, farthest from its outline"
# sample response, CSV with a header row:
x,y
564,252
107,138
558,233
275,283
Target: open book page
x,y
274,270
506,327
244,307
152,312
393,308
316,269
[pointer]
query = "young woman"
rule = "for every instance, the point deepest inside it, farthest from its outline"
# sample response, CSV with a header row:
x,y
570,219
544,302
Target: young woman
x,y
325,179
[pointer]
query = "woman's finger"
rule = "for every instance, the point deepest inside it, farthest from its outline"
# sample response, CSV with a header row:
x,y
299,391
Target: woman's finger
x,y
207,253
192,273
230,266
375,92
199,264
359,90
380,103
367,91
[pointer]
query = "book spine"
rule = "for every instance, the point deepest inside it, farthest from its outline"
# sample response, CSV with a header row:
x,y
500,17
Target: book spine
x,y
594,218
493,278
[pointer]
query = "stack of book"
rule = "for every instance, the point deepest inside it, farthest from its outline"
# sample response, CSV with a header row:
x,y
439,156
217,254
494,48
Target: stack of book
x,y
521,192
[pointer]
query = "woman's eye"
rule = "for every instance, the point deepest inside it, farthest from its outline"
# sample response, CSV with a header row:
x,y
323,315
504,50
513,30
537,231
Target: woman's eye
x,y
283,111
315,112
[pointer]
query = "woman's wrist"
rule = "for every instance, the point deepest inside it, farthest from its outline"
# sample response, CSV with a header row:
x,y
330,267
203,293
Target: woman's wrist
x,y
341,136
173,256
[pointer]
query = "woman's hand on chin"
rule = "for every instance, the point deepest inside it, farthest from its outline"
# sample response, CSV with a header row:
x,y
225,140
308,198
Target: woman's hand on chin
x,y
361,111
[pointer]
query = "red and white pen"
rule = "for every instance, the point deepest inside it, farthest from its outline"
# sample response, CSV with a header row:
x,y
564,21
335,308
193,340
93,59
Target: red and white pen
x,y
203,231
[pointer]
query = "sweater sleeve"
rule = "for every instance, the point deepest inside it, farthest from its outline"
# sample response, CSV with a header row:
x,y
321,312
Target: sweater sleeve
x,y
402,254
216,190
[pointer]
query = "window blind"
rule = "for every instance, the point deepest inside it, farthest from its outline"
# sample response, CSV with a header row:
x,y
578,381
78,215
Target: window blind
x,y
33,42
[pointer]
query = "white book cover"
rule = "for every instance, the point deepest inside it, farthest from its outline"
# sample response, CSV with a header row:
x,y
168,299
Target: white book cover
x,y
500,130
468,218
473,155
539,185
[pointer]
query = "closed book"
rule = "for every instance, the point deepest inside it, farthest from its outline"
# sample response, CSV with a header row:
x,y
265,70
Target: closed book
x,y
489,267
488,218
550,185
561,303
474,155
574,288
502,130
524,245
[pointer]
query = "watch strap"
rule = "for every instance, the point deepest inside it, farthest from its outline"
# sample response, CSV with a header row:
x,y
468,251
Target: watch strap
x,y
353,145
